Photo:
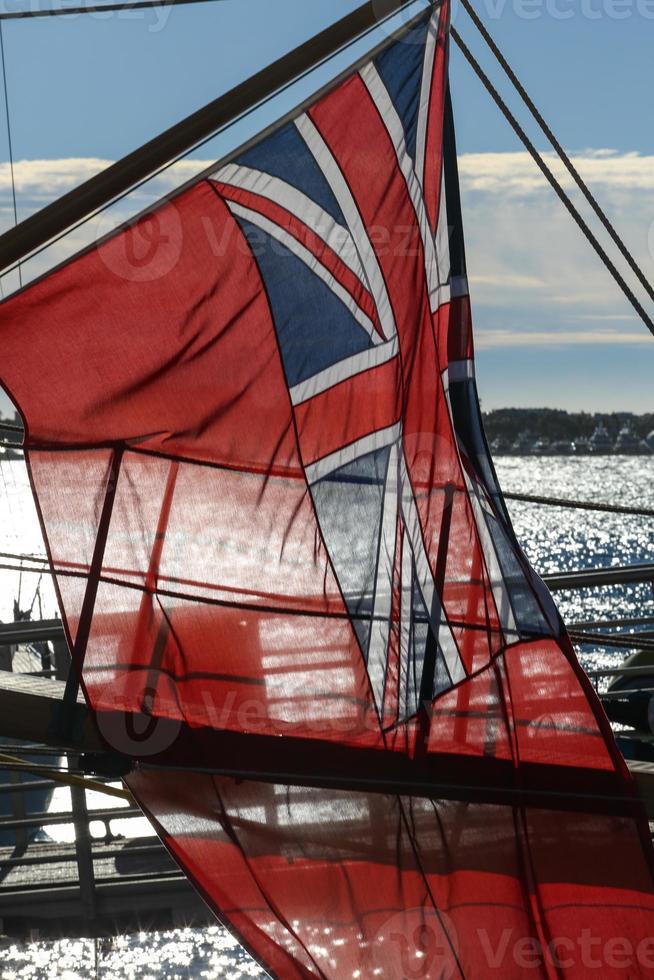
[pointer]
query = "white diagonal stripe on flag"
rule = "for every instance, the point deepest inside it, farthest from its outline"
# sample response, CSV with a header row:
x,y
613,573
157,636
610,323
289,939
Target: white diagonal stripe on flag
x,y
380,626
342,370
332,172
425,579
321,223
311,261
494,570
368,444
425,96
479,504
395,129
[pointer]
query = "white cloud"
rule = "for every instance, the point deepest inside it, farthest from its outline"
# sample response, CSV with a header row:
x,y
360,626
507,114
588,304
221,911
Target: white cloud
x,y
534,278
498,172
40,181
507,280
486,339
45,178
596,317
516,173
533,275
37,180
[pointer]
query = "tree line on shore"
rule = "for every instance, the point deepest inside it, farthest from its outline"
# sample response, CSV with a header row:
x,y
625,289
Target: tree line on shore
x,y
549,424
555,424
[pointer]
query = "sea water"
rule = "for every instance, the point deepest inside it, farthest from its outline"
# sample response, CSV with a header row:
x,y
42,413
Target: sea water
x,y
553,538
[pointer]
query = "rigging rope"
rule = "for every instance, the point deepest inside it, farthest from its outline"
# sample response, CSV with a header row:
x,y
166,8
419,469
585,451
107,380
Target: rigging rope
x,y
580,504
612,640
197,146
11,154
98,8
33,558
547,173
565,159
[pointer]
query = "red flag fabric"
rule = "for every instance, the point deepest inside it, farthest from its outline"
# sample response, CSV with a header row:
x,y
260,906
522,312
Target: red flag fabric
x,y
289,579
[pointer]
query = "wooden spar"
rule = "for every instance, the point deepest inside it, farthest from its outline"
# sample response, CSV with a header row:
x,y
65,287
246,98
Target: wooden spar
x,y
26,631
104,187
31,707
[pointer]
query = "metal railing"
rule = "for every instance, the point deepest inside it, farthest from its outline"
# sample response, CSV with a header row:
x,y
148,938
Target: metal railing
x,y
96,883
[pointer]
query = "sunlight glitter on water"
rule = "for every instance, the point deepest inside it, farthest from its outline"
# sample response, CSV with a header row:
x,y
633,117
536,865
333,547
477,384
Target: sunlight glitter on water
x,y
183,954
559,539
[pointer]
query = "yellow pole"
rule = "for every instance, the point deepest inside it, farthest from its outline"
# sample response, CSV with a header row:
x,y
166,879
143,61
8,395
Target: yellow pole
x,y
68,778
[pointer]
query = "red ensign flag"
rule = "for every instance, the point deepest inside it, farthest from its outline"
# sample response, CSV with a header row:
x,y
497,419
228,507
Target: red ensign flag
x,y
277,537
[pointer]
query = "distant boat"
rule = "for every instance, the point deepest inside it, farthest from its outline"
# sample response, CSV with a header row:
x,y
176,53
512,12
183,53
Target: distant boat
x,y
563,447
501,446
601,443
524,444
628,444
582,446
540,448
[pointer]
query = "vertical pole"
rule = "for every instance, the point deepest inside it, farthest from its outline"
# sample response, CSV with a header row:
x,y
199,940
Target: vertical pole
x,y
146,610
88,605
83,850
61,655
18,808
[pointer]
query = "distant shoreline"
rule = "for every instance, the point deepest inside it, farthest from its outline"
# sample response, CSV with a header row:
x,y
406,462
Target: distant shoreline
x,y
547,431
531,431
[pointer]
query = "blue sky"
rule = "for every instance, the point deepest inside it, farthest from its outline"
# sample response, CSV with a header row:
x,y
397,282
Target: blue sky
x,y
551,328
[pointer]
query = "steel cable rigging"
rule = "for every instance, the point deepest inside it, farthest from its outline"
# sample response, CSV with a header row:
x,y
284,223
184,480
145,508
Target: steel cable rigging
x,y
552,180
9,142
565,159
98,8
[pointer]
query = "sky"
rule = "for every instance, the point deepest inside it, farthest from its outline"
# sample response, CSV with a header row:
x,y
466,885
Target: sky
x,y
551,327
